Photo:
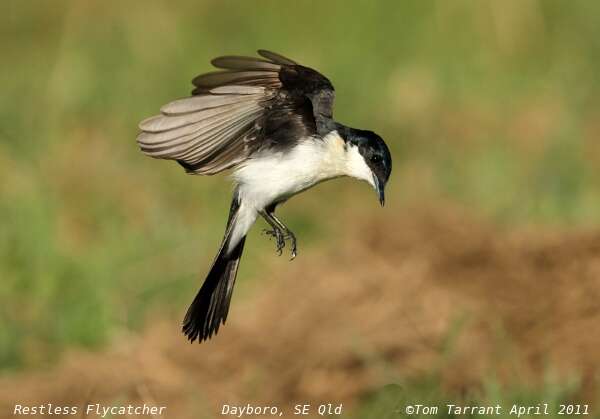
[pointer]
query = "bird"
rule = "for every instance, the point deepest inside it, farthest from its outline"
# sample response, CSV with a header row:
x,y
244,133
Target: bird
x,y
270,120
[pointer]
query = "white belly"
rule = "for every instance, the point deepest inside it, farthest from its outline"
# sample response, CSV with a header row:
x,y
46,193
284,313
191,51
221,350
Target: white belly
x,y
264,180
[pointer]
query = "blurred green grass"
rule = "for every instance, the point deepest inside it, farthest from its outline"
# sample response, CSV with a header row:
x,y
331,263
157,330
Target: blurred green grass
x,y
493,105
432,392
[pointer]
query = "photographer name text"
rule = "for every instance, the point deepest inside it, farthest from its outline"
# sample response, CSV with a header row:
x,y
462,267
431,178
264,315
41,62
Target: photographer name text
x,y
516,410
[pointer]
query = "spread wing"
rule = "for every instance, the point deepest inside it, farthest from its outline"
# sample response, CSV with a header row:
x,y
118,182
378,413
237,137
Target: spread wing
x,y
251,103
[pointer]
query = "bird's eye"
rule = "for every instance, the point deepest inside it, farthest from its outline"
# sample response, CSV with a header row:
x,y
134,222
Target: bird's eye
x,y
376,158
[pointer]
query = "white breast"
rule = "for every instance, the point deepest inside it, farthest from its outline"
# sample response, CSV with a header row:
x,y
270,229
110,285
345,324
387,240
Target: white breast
x,y
270,177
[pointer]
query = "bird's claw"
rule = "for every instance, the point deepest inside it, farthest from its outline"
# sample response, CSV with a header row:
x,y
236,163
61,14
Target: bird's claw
x,y
280,239
293,247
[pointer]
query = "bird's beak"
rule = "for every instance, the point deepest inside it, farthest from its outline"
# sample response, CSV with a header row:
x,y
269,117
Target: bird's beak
x,y
380,189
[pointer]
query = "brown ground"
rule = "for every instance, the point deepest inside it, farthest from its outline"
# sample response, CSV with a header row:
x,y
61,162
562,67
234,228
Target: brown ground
x,y
429,292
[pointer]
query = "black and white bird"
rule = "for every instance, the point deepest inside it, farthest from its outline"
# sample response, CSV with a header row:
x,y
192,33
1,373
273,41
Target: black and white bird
x,y
269,119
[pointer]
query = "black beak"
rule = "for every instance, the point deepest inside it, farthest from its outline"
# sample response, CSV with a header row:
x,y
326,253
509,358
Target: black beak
x,y
380,189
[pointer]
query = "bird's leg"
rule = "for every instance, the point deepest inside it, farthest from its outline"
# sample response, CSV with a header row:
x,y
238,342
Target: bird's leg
x,y
275,232
280,232
287,235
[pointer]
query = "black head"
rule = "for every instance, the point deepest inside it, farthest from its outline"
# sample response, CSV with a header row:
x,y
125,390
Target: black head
x,y
375,154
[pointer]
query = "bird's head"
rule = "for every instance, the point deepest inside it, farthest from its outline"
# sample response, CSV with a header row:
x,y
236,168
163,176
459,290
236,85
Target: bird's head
x,y
369,159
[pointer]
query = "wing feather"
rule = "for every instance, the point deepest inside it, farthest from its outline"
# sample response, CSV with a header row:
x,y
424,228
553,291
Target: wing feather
x,y
185,146
199,103
162,122
220,78
228,158
162,140
276,58
238,90
220,138
235,62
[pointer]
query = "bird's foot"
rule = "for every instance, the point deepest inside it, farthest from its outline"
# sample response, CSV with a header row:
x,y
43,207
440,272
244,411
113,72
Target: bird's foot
x,y
280,239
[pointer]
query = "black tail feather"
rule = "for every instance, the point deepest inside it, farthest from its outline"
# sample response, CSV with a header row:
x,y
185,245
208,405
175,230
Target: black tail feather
x,y
211,305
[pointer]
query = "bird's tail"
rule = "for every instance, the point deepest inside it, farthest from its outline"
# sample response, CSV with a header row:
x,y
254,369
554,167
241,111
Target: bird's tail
x,y
209,308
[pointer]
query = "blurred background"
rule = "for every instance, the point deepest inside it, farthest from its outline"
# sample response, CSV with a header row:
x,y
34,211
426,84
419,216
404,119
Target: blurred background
x,y
478,282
